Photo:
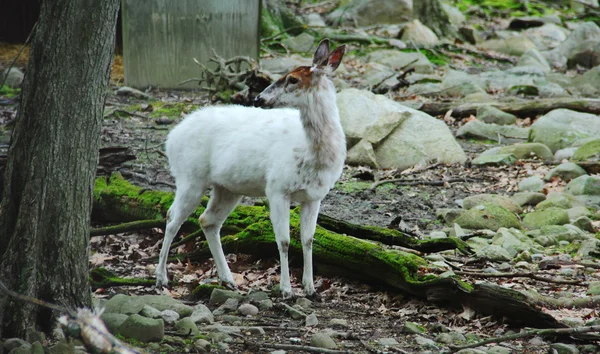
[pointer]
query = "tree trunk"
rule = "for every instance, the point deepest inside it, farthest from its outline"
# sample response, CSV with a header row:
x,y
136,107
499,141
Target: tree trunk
x,y
47,197
432,14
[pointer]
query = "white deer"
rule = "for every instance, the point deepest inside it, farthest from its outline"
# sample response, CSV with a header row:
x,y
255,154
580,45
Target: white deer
x,y
286,154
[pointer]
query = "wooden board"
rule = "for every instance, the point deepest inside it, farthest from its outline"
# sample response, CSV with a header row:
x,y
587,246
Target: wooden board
x,y
161,37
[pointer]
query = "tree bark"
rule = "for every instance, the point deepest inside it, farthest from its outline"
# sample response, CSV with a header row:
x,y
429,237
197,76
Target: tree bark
x,y
432,14
47,195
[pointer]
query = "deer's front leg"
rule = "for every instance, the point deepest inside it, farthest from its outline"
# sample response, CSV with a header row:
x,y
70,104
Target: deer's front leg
x,y
279,206
308,221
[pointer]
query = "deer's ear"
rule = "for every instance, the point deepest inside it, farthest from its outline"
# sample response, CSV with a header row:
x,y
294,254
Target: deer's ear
x,y
335,58
322,53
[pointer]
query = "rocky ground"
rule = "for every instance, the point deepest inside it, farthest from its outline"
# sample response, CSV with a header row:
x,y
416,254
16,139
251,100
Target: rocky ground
x,y
468,153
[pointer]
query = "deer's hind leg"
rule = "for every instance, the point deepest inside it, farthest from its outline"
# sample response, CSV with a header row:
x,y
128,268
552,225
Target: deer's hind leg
x,y
220,205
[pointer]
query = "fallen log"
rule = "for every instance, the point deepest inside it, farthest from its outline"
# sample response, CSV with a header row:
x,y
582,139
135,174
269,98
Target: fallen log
x,y
117,200
520,108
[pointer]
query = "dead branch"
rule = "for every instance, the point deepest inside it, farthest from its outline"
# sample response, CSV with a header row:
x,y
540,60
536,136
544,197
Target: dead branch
x,y
521,275
402,82
126,227
527,334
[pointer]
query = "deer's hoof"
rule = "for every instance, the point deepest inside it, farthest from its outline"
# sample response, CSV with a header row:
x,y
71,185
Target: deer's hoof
x,y
161,281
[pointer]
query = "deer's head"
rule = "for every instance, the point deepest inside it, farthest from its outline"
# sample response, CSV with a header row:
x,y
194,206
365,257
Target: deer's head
x,y
292,89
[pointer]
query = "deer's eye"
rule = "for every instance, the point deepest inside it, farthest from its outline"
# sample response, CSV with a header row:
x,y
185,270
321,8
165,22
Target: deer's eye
x,y
292,80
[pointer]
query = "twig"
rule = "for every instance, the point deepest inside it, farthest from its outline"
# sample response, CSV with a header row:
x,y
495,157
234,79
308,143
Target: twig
x,y
415,182
194,235
520,275
128,226
306,348
18,54
526,334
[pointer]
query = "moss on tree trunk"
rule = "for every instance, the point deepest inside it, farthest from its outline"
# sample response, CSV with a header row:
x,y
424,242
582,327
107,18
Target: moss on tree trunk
x,y
117,200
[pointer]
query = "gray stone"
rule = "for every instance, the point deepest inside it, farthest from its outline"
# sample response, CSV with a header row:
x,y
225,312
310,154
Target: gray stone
x,y
169,316
584,185
513,241
577,212
477,243
301,44
566,232
124,304
62,347
371,12
282,65
397,60
527,151
322,340
479,130
494,253
589,83
219,296
437,235
499,350
416,32
564,154
14,79
32,335
113,321
500,200
450,338
588,246
425,342
266,304
149,311
517,45
247,310
234,329
565,171
230,305
12,343
527,198
142,328
559,128
165,302
235,320
533,57
313,19
202,314
186,326
202,346
593,288
413,328
531,184
494,160
37,348
304,302
387,342
590,151
546,37
586,54
294,313
487,216
471,351
131,92
311,320
256,296
549,216
584,223
491,114
409,144
563,348
338,322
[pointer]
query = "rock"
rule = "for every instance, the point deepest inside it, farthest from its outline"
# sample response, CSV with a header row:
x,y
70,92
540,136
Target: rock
x,y
371,12
450,338
567,232
455,16
322,340
186,326
247,310
586,54
477,243
397,60
256,296
235,320
62,347
531,184
557,201
113,321
165,302
32,335
202,314
491,114
313,19
448,214
304,302
565,171
420,34
564,154
584,223
266,304
533,58
416,139
282,65
131,92
584,185
480,130
437,235
294,312
561,127
549,216
413,328
563,348
300,44
387,342
14,79
124,304
517,45
577,212
527,198
202,346
588,151
500,200
425,342
219,296
546,37
498,350
338,322
494,253
589,83
513,241
527,151
494,160
230,305
150,312
488,216
311,320
12,343
142,329
588,246
37,348
169,316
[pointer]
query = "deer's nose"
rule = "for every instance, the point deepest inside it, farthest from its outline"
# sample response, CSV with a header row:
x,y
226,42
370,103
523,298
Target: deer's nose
x,y
258,101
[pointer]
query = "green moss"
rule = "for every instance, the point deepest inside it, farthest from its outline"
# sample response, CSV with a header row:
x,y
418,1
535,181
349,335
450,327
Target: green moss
x,y
203,291
102,278
513,8
352,186
433,56
171,110
9,92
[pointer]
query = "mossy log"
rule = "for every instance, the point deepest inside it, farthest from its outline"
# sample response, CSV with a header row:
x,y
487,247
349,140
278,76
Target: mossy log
x,y
117,200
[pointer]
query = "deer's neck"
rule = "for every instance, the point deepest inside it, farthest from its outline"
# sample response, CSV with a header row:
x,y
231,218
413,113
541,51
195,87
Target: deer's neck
x,y
321,121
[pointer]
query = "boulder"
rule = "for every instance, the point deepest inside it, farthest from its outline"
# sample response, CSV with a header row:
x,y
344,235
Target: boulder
x,y
494,160
584,185
546,37
500,200
416,32
487,216
143,329
588,151
533,58
397,60
527,198
549,216
516,45
220,296
301,44
527,151
391,135
491,114
165,302
561,127
371,12
586,54
322,340
531,184
480,130
124,304
565,171
14,77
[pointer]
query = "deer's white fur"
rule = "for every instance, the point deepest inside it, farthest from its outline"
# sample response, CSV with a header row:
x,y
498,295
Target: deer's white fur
x,y
286,154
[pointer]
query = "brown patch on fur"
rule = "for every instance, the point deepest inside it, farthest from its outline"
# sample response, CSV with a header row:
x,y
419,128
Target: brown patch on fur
x,y
303,74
